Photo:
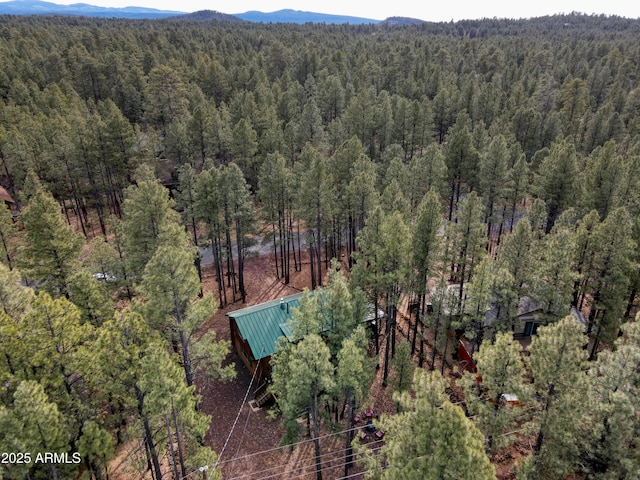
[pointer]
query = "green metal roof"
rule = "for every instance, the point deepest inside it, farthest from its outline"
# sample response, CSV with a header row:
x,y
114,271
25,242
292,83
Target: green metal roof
x,y
261,325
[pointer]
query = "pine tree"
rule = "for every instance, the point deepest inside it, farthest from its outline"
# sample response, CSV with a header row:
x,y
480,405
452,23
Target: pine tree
x,y
8,237
403,368
501,372
516,188
556,180
102,260
208,208
237,206
96,447
15,298
91,297
58,342
517,255
170,284
611,266
314,204
427,171
487,286
601,180
300,377
383,268
338,308
553,280
171,406
612,451
244,148
118,350
430,439
367,272
185,200
461,158
149,220
467,240
556,356
425,246
276,202
353,377
493,170
39,428
50,255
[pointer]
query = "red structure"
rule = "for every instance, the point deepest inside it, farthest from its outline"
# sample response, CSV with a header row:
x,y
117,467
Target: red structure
x,y
464,355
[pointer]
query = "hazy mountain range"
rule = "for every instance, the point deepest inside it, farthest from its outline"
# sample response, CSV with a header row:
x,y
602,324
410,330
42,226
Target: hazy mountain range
x,y
38,7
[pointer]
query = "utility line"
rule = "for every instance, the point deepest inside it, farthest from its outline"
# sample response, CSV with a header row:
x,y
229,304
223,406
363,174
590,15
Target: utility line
x,y
309,465
291,445
235,422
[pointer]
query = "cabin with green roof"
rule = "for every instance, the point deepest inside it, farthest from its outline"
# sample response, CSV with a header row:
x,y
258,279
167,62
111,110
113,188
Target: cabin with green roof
x,y
255,331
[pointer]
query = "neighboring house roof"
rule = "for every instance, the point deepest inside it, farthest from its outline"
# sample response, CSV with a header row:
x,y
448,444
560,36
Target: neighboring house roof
x,y
527,310
261,325
580,319
5,196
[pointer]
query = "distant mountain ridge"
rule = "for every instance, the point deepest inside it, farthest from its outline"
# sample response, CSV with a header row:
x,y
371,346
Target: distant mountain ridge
x,y
207,16
300,17
40,7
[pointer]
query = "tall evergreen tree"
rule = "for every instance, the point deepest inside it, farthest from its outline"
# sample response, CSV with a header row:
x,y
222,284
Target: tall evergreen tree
x,y
418,441
149,220
601,180
37,427
557,178
8,237
493,170
237,207
50,255
461,158
171,406
276,204
425,249
555,362
300,378
314,204
517,255
467,239
208,209
354,374
612,451
552,282
501,373
608,287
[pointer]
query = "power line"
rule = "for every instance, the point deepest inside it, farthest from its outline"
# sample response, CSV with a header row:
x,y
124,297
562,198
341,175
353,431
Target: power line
x,y
326,467
331,467
246,422
235,422
326,464
323,469
357,473
301,442
218,463
326,458
291,445
288,472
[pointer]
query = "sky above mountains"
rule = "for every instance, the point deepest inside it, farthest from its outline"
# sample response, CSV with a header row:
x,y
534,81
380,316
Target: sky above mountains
x,y
434,11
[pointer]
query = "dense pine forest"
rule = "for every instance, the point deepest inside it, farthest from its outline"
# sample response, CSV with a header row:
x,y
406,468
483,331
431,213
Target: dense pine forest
x,y
448,174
